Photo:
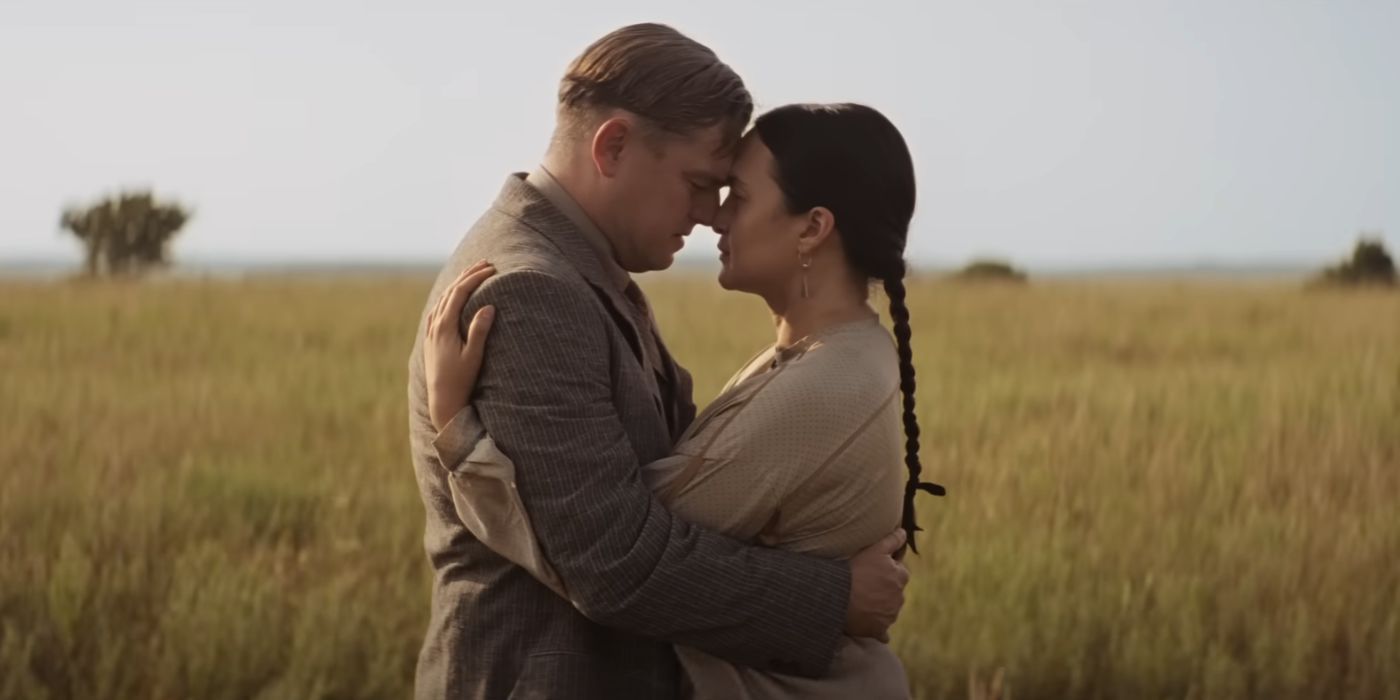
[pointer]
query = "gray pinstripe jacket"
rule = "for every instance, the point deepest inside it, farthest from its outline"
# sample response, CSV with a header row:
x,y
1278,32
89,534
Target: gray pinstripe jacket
x,y
564,394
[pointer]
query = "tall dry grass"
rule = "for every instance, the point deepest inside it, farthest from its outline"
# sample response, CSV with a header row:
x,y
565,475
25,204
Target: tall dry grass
x,y
1156,490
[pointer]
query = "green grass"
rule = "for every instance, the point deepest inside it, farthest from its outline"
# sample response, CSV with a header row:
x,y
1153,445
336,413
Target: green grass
x,y
1156,490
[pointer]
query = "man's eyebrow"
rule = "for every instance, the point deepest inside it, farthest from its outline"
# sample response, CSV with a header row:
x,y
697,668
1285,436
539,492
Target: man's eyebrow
x,y
706,179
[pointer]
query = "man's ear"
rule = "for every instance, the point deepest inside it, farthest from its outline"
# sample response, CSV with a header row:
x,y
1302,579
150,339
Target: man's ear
x,y
609,141
820,223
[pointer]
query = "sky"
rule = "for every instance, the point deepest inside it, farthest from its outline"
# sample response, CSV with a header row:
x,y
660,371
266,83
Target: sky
x,y
1049,133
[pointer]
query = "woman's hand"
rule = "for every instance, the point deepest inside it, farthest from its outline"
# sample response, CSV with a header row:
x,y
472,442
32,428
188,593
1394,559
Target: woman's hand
x,y
452,365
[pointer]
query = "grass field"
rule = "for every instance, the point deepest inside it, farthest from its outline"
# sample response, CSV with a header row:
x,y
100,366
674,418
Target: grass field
x,y
1157,490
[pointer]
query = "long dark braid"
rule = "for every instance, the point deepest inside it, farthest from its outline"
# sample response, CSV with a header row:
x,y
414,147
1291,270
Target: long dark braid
x,y
851,160
899,313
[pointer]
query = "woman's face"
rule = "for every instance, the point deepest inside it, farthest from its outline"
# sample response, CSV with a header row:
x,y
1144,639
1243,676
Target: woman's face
x,y
757,236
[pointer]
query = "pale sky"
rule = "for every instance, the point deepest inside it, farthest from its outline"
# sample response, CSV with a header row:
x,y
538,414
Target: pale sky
x,y
1046,132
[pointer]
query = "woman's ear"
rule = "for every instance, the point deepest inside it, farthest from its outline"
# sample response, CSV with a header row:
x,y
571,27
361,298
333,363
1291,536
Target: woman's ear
x,y
608,143
819,225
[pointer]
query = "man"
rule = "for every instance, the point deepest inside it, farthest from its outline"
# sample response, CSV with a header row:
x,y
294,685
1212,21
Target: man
x,y
579,390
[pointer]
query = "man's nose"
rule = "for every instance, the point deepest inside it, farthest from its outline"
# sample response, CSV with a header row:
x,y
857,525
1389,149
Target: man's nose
x,y
720,222
705,210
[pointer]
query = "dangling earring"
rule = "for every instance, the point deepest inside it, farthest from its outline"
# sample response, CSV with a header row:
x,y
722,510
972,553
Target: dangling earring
x,y
806,264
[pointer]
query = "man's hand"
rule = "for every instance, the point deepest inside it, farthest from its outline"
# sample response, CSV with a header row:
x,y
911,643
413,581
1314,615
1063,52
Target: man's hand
x,y
877,588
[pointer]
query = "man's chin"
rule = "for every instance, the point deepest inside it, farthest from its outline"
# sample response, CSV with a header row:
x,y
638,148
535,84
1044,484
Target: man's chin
x,y
661,262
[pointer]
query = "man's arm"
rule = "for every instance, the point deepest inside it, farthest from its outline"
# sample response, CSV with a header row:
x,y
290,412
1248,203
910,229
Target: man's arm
x,y
545,396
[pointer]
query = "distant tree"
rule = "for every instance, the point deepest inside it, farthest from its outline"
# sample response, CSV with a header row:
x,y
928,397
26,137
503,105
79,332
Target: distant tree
x,y
126,234
990,271
1369,264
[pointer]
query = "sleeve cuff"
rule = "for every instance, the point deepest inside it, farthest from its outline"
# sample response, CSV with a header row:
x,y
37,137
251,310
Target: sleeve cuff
x,y
456,439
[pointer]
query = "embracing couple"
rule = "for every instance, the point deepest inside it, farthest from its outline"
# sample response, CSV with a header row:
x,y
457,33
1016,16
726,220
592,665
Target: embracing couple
x,y
592,536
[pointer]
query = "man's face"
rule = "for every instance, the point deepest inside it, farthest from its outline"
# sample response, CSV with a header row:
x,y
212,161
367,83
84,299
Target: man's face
x,y
661,191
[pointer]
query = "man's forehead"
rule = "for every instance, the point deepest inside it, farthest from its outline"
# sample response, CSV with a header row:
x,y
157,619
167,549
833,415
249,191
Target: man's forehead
x,y
710,141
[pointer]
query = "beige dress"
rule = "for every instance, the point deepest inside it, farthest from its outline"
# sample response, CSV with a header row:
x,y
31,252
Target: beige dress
x,y
800,451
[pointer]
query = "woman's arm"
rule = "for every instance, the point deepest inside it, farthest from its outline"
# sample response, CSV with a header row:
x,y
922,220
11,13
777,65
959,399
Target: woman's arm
x,y
451,362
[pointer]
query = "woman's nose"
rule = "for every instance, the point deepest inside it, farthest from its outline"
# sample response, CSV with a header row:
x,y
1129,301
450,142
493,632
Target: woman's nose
x,y
721,223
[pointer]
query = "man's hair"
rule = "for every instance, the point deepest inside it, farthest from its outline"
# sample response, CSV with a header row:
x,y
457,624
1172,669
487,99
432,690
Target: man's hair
x,y
677,85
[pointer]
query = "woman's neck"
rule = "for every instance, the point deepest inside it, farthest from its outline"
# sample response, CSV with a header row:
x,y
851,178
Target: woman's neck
x,y
829,305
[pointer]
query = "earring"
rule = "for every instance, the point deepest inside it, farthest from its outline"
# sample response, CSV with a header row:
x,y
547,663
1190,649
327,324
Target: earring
x,y
806,264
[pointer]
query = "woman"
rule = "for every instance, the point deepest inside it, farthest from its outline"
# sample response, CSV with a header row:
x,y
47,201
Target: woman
x,y
802,448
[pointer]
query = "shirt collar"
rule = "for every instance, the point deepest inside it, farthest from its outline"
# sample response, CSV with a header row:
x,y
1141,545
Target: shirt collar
x,y
542,180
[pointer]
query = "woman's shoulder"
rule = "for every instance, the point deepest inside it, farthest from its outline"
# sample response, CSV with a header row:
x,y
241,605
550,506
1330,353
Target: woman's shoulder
x,y
855,368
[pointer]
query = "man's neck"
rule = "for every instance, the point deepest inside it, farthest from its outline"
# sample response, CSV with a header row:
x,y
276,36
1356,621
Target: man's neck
x,y
571,177
571,180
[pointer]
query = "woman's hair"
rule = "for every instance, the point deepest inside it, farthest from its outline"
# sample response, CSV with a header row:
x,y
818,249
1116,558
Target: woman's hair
x,y
851,160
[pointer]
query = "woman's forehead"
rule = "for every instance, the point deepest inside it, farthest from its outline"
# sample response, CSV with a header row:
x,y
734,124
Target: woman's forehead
x,y
752,160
